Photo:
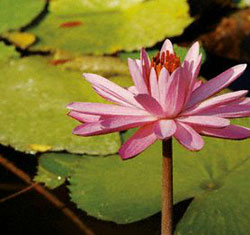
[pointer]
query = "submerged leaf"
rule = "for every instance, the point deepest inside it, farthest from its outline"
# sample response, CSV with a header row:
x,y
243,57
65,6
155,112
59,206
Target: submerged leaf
x,y
107,28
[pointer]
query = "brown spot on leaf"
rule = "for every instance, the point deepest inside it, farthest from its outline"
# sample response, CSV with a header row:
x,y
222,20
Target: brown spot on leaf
x,y
70,24
57,62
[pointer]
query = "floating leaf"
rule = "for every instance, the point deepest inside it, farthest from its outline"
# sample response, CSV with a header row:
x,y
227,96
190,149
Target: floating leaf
x,y
107,29
15,14
105,65
7,52
51,180
33,100
40,148
54,168
108,187
218,179
78,6
125,191
20,39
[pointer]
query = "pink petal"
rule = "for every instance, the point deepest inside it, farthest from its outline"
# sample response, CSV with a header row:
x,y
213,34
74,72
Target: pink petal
x,y
105,109
90,129
127,121
209,121
167,46
188,80
176,93
110,97
215,101
111,90
133,90
137,77
188,137
215,85
192,61
150,104
111,124
141,140
229,111
197,66
197,84
244,101
84,117
229,132
164,129
138,62
154,88
192,53
145,65
163,82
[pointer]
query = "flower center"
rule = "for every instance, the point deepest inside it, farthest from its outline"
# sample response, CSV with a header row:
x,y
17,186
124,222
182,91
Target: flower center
x,y
165,59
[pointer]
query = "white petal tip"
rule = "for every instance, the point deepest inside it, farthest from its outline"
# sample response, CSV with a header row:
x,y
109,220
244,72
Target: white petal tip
x,y
241,67
168,41
130,60
197,44
87,76
70,106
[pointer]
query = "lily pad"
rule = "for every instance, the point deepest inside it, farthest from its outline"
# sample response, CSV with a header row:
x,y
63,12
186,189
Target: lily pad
x,y
20,39
108,66
8,52
108,187
18,13
33,98
78,6
218,180
107,29
125,191
55,168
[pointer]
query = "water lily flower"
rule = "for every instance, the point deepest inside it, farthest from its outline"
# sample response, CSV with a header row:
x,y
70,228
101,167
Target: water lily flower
x,y
167,100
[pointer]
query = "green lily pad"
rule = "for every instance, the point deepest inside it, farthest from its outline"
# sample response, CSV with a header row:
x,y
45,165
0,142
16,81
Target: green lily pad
x,y
53,170
8,52
33,98
78,28
64,7
51,180
125,191
116,190
15,14
108,66
108,187
217,178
